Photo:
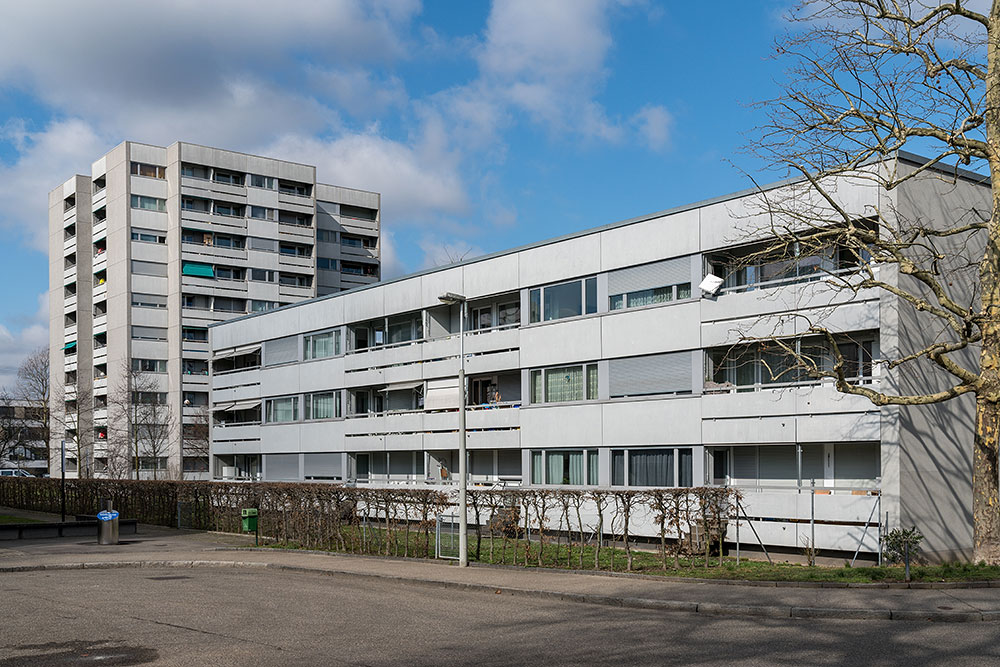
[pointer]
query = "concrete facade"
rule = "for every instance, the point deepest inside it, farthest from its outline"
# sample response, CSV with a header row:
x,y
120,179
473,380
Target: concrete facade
x,y
595,360
156,244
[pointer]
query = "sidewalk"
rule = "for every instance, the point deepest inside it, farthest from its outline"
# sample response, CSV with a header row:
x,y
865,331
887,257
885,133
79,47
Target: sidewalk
x,y
163,547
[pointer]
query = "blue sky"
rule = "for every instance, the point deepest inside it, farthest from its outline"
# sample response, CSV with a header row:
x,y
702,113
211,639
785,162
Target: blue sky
x,y
484,126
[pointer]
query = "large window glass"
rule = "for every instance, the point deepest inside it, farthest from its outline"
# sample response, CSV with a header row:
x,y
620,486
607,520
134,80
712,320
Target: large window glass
x,y
535,301
508,314
324,405
148,203
567,383
321,345
281,410
575,467
650,297
561,301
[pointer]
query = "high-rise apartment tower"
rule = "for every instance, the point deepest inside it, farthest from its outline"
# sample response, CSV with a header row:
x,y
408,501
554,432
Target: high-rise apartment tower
x,y
147,251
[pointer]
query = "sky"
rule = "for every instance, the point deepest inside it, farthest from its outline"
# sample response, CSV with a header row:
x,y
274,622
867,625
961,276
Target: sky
x,y
484,125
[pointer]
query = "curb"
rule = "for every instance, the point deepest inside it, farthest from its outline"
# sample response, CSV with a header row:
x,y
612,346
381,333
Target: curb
x,y
765,583
711,608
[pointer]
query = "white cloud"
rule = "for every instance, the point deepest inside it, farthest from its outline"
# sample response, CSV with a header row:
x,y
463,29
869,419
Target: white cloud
x,y
360,92
417,181
653,124
47,159
15,346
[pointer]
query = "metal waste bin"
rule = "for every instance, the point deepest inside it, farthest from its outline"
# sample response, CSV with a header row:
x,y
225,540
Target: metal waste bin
x,y
107,528
250,520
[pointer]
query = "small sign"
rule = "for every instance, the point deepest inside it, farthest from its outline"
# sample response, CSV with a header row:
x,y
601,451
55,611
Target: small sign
x,y
105,515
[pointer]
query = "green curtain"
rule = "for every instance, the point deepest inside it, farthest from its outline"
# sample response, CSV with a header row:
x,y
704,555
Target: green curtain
x,y
564,384
575,468
555,467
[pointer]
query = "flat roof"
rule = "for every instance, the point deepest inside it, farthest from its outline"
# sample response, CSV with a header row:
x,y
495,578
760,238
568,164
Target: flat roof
x,y
911,158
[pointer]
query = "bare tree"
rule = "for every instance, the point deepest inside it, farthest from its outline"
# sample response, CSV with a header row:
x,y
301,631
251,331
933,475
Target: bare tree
x,y
195,437
141,424
869,79
11,428
34,391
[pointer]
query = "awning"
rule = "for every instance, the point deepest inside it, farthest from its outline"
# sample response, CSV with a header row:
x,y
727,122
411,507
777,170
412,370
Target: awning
x,y
400,386
243,405
236,351
222,407
70,346
199,270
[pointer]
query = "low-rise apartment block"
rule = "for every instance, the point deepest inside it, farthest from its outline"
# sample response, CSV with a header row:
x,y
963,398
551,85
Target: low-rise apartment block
x,y
594,360
147,251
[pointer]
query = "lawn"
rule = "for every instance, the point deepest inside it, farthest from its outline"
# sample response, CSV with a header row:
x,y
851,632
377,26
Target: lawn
x,y
6,518
563,556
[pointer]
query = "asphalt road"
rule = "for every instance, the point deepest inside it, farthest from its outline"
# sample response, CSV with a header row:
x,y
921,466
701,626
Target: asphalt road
x,y
255,617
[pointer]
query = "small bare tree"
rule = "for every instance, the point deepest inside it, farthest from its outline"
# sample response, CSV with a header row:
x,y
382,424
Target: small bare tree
x,y
33,391
141,424
196,436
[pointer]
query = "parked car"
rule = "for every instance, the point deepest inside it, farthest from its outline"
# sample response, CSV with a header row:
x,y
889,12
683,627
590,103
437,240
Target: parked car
x,y
15,472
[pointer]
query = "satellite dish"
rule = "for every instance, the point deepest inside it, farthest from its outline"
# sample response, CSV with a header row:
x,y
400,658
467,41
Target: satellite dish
x,y
711,284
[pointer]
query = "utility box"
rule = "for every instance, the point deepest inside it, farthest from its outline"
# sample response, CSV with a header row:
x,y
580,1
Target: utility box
x,y
249,519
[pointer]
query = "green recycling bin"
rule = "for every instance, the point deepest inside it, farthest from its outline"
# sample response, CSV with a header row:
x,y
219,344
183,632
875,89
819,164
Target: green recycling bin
x,y
250,520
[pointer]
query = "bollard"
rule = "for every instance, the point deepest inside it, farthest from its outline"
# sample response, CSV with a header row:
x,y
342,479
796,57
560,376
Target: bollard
x,y
107,528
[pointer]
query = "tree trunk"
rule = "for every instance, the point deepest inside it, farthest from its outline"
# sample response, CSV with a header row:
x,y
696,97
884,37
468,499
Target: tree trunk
x,y
985,481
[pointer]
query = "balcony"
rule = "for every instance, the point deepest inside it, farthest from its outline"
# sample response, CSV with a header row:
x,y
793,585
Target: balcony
x,y
101,383
203,187
69,275
359,252
200,252
101,291
295,292
69,303
100,322
295,261
69,333
100,262
233,223
69,245
99,230
99,199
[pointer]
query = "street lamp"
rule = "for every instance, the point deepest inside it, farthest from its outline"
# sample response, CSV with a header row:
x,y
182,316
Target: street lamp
x,y
451,299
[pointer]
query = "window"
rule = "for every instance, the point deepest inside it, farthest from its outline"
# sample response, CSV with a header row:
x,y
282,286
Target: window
x,y
261,306
149,333
294,280
149,397
508,314
293,188
356,269
295,250
405,328
194,367
148,236
281,350
148,268
149,365
575,467
299,219
194,171
228,177
265,245
148,170
568,383
326,264
149,300
281,410
323,405
326,236
321,345
263,275
194,334
358,212
223,241
648,375
195,204
261,213
648,297
564,300
266,182
195,399
482,318
149,203
223,304
196,301
230,273
227,209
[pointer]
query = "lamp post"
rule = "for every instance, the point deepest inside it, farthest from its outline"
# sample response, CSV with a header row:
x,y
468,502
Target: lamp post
x,y
451,298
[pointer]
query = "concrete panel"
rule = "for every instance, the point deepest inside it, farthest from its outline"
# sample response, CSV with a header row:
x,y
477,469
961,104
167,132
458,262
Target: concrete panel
x,y
326,436
146,219
561,426
147,153
433,285
495,276
839,428
750,430
556,262
148,187
279,382
280,438
364,305
675,421
561,342
401,297
670,236
321,375
650,330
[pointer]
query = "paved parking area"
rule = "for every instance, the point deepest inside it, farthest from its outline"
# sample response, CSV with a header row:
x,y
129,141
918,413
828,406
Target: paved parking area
x,y
232,616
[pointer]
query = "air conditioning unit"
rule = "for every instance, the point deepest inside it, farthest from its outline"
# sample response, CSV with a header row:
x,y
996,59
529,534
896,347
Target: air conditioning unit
x,y
228,472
